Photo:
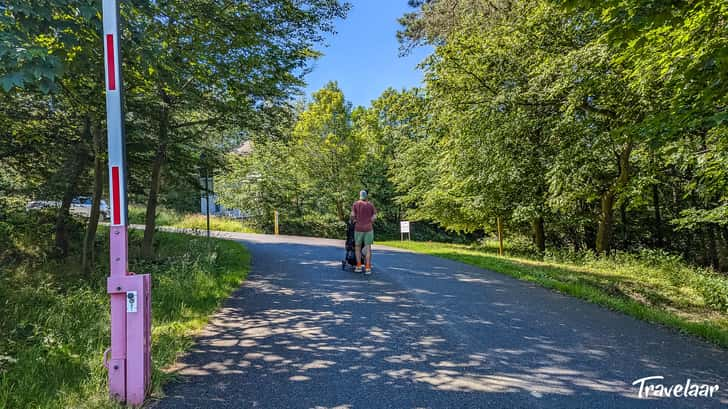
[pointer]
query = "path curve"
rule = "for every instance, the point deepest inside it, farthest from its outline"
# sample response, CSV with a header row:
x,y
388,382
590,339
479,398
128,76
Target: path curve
x,y
422,332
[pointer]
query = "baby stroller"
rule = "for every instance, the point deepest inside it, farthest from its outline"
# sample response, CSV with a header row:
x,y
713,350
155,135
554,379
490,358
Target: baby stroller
x,y
349,263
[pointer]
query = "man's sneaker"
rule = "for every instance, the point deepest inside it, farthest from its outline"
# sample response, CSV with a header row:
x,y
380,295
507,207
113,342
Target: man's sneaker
x,y
368,270
357,269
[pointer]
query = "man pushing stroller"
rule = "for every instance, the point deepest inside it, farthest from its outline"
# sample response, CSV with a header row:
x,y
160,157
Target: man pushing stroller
x,y
363,214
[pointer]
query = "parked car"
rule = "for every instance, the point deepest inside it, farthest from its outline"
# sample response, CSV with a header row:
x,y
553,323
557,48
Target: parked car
x,y
80,205
41,204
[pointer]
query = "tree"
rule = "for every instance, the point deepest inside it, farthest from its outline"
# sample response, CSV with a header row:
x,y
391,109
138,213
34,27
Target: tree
x,y
675,52
209,67
513,80
393,119
38,38
328,151
60,55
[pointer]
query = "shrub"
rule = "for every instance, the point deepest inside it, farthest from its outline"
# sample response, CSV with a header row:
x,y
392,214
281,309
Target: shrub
x,y
314,226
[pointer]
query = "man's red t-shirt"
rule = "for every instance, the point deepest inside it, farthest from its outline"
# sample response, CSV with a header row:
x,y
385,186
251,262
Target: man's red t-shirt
x,y
363,213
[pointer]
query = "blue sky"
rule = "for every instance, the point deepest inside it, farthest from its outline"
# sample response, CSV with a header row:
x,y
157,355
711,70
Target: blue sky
x,y
363,57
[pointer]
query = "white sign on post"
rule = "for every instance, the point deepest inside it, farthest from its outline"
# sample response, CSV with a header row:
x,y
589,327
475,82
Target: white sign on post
x,y
404,227
131,301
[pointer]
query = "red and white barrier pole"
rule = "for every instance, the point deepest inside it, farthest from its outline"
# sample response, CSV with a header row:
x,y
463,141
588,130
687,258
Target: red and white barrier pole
x,y
130,362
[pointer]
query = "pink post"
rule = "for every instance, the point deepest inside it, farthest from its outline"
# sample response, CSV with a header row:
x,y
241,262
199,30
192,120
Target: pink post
x,y
117,365
130,363
136,340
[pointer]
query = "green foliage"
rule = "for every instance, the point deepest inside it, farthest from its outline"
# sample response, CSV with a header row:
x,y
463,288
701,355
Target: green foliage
x,y
55,320
679,45
312,225
39,39
197,77
394,123
327,151
601,122
314,171
313,175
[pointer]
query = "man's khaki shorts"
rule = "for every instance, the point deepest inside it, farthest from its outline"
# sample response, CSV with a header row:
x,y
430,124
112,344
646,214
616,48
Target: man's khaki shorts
x,y
362,238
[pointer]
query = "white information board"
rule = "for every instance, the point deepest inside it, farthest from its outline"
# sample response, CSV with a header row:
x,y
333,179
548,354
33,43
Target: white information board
x,y
404,227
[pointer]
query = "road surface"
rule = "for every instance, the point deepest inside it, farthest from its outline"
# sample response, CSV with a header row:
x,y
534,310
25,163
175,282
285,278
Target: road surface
x,y
423,332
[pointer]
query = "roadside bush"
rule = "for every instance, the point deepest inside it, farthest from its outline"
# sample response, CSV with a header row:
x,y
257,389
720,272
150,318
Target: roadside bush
x,y
313,226
29,235
6,239
424,231
657,266
714,289
645,270
516,245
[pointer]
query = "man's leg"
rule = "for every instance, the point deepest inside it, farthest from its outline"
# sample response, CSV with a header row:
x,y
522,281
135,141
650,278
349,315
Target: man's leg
x,y
368,241
357,250
368,254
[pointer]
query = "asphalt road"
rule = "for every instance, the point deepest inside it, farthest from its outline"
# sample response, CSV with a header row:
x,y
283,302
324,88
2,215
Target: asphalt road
x,y
423,332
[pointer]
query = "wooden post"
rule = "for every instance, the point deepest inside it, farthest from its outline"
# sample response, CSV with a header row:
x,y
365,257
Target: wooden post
x,y
275,222
500,236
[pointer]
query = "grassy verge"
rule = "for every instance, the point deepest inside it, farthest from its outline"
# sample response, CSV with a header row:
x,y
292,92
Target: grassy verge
x,y
167,217
55,321
651,286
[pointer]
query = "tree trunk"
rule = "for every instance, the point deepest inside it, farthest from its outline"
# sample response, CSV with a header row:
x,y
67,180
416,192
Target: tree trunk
x,y
711,248
723,260
76,166
606,222
590,237
575,238
500,236
340,212
88,256
299,210
623,220
658,216
62,218
152,201
606,216
539,234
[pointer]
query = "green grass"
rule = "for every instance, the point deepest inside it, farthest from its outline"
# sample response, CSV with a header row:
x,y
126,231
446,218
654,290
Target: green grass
x,y
167,217
199,222
54,321
651,286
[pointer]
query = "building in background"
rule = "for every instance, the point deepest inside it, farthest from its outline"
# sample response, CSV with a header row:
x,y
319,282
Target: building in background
x,y
217,209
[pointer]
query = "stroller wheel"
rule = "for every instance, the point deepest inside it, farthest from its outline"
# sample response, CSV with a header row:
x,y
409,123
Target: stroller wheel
x,y
343,265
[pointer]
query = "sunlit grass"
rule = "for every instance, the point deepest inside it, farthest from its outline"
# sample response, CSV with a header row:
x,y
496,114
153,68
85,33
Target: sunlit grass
x,y
171,218
652,286
198,221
